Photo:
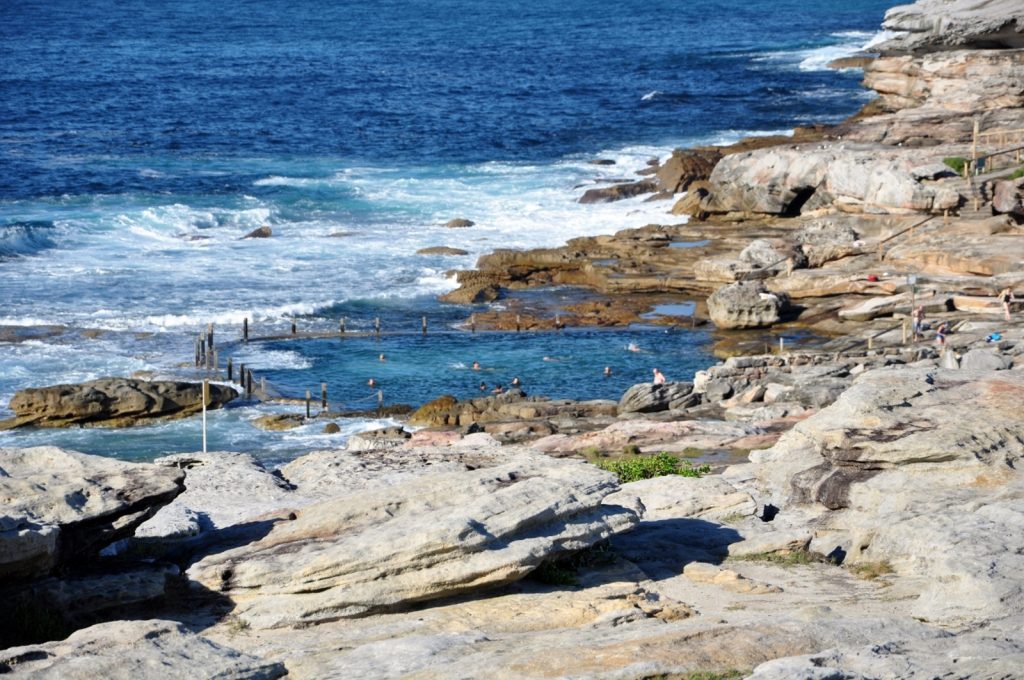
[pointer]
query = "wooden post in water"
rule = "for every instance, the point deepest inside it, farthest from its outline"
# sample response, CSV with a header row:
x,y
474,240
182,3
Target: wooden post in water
x,y
197,353
213,361
424,326
323,396
248,383
206,399
376,326
308,397
245,329
341,326
241,375
294,329
202,350
209,336
231,370
380,403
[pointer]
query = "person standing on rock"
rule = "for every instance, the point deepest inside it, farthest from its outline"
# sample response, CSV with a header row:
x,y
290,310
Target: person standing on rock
x,y
1006,297
659,377
918,319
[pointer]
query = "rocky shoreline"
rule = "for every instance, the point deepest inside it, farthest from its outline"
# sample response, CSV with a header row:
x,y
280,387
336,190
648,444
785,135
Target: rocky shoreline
x,y
864,516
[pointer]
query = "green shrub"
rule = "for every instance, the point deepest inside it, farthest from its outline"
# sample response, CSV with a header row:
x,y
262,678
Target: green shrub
x,y
646,467
1017,174
958,163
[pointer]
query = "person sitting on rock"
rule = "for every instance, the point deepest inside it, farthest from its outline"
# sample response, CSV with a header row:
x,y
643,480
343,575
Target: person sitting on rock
x,y
659,377
515,382
498,389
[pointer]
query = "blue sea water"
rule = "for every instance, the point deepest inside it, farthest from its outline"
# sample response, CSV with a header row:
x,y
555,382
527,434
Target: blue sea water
x,y
140,141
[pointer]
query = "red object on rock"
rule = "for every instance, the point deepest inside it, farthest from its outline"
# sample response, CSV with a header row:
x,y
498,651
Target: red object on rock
x,y
872,278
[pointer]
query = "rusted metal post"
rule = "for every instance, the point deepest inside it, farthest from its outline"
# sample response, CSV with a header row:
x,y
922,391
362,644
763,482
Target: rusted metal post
x,y
323,396
245,329
231,370
308,397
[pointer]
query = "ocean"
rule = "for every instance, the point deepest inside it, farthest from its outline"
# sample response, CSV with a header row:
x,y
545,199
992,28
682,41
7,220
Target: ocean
x,y
140,142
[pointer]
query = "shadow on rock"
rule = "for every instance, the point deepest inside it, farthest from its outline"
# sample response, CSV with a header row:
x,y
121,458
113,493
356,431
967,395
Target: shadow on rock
x,y
661,548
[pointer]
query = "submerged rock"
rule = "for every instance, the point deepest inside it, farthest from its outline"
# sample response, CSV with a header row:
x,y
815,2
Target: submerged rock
x,y
459,223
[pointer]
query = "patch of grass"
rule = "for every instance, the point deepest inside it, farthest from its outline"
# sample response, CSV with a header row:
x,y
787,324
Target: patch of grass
x,y
1017,174
733,518
691,452
646,467
593,452
786,558
957,163
565,570
731,674
871,570
236,624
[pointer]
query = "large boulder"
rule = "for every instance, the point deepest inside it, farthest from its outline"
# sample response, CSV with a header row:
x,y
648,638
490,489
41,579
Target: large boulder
x,y
918,470
128,650
930,25
223,490
745,305
111,402
437,535
984,359
63,507
1008,197
649,398
788,180
686,166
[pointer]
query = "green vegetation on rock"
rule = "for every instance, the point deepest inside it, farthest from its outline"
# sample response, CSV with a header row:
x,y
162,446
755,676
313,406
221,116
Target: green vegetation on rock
x,y
646,467
956,162
785,558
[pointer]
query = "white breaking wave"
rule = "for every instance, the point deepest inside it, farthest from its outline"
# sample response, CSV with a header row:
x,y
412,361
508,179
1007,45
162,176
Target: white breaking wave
x,y
853,42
